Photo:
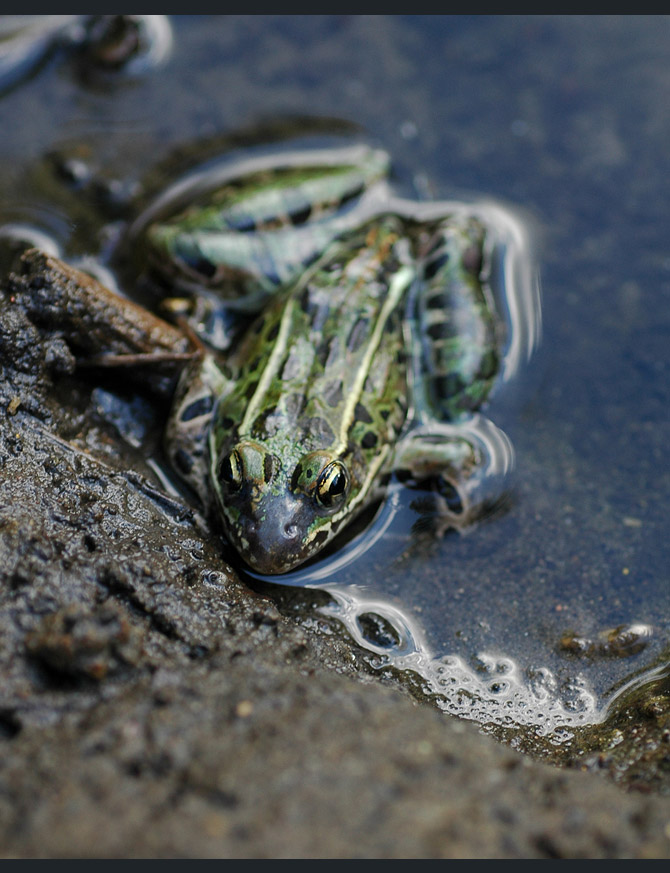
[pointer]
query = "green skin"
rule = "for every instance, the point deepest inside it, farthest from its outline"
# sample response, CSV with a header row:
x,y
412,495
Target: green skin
x,y
362,363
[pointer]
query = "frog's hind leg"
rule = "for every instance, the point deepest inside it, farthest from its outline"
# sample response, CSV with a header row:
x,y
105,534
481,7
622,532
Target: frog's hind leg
x,y
455,341
455,361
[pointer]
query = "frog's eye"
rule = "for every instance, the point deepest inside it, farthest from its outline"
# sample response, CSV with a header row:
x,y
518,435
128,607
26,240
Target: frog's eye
x,y
331,486
230,471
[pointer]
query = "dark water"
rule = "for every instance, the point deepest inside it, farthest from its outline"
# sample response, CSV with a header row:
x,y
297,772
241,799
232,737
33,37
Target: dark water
x,y
562,118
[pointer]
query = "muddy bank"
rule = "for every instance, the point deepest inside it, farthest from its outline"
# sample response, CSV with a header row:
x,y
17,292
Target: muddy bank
x,y
152,705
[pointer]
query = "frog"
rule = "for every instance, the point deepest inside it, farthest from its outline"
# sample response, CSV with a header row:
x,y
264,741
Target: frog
x,y
366,343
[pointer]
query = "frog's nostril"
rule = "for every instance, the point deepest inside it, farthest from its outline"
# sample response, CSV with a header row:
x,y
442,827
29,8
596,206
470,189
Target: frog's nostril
x,y
290,531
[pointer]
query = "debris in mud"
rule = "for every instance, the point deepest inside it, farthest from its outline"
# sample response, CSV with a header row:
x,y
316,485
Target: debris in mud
x,y
617,642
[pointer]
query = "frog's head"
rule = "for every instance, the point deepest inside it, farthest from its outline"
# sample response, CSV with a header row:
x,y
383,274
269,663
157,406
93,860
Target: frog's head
x,y
277,514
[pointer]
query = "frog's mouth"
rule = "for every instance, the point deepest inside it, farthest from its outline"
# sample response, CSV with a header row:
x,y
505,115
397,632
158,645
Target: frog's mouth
x,y
276,540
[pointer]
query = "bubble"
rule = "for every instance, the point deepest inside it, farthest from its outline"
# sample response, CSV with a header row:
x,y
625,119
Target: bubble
x,y
378,630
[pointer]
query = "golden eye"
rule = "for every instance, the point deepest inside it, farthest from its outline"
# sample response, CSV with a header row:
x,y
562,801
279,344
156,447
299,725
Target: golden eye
x,y
331,486
230,471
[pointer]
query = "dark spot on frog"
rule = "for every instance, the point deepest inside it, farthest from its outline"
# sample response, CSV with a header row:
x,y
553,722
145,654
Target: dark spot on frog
x,y
369,441
440,330
293,406
431,268
322,352
183,461
268,467
448,386
362,414
439,300
316,307
351,195
250,389
393,322
319,316
201,406
333,393
268,423
357,334
300,216
305,300
317,431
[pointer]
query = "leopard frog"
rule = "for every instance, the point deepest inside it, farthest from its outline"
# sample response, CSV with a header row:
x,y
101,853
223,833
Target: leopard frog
x,y
334,340
370,341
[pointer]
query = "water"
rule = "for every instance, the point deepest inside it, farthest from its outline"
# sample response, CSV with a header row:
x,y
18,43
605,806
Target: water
x,y
562,119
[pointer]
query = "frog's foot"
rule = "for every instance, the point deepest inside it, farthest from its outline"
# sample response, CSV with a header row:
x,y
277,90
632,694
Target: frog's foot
x,y
206,320
464,464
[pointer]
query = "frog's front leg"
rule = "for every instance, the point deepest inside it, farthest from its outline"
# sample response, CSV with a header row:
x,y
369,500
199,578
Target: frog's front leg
x,y
201,384
465,464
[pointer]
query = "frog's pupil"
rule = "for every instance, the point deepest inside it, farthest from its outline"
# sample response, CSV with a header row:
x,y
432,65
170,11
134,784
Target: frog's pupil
x,y
337,485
